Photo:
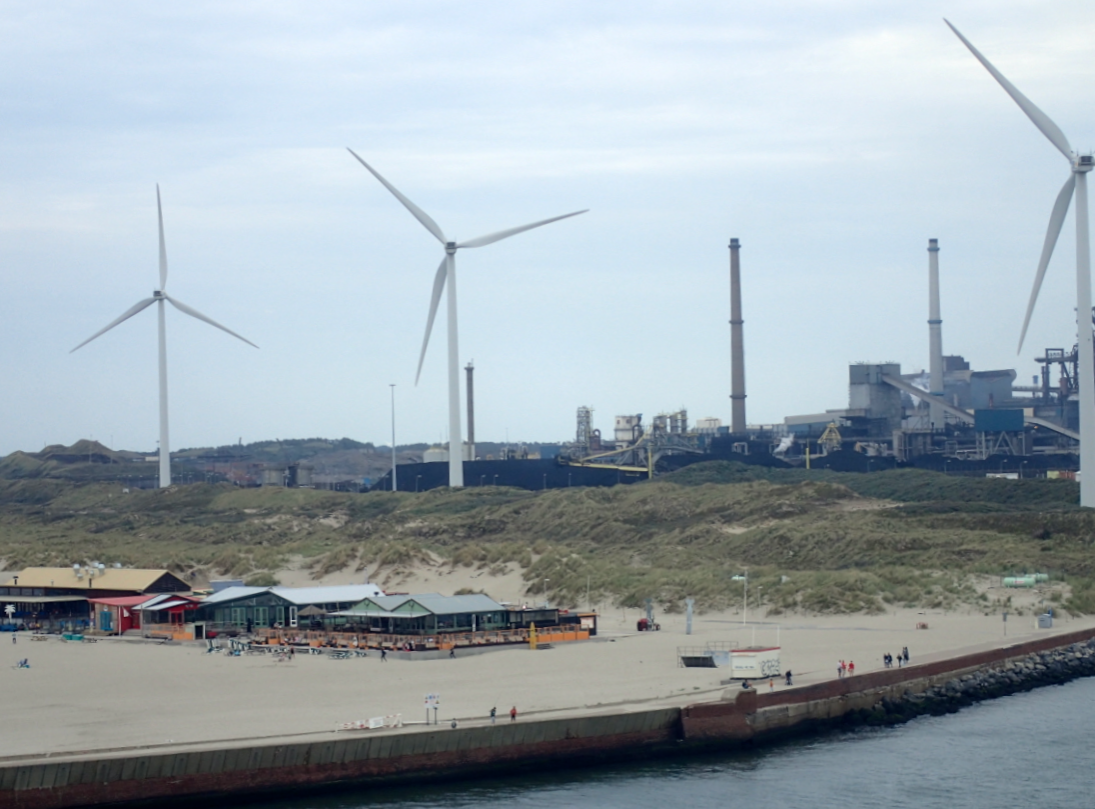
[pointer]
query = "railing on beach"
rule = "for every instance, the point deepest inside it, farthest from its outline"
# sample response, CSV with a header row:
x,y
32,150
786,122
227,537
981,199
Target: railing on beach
x,y
418,643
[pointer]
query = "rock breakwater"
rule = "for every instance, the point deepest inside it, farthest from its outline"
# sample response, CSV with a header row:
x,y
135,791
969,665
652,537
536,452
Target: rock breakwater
x,y
1051,667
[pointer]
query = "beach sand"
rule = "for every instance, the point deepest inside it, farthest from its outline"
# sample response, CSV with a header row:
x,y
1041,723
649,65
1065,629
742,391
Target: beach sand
x,y
120,693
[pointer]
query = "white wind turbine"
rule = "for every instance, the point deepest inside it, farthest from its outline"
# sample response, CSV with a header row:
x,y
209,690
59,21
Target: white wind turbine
x,y
447,273
159,296
1080,165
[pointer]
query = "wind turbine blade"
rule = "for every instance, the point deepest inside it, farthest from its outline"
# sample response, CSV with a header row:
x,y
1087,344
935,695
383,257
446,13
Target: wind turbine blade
x,y
438,288
418,213
182,307
126,316
490,238
1056,221
1040,119
163,249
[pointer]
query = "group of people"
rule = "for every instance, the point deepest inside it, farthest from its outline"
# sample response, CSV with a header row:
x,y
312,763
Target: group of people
x,y
771,681
512,714
845,669
902,658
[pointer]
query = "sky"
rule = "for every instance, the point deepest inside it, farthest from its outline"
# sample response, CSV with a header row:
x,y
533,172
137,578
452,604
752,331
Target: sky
x,y
832,137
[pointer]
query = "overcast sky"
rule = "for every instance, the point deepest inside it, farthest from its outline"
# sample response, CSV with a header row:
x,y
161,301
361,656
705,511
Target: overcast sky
x,y
833,138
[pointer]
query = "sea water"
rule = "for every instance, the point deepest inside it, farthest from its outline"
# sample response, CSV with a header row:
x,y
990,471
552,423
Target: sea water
x,y
1028,750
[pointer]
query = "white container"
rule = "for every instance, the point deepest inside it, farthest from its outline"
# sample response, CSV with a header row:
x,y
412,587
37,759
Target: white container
x,y
755,663
435,455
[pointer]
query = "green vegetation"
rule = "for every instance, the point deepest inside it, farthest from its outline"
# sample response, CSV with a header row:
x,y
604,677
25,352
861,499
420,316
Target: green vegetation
x,y
815,541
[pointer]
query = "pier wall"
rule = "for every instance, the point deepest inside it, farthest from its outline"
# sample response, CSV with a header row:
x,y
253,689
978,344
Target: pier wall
x,y
759,715
93,780
743,717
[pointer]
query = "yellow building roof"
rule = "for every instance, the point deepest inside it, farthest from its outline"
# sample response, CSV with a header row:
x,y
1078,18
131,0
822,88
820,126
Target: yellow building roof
x,y
109,578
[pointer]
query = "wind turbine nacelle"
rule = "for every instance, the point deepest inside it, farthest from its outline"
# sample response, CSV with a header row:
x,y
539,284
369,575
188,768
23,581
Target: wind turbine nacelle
x,y
1086,162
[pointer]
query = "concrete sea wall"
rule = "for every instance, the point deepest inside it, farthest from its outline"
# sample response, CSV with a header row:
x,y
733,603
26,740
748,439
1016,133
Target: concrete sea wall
x,y
94,780
745,717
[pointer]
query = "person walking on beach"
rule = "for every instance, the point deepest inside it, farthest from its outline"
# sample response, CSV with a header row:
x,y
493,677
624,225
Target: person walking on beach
x,y
513,714
788,676
771,684
452,652
383,655
905,654
851,667
493,714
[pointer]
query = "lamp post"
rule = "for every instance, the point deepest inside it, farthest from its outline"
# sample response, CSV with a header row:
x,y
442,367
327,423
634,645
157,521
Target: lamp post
x,y
495,480
395,487
416,479
744,579
546,601
1022,466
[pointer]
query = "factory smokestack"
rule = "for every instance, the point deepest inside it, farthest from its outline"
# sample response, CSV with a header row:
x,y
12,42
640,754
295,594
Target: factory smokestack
x,y
470,452
737,349
935,332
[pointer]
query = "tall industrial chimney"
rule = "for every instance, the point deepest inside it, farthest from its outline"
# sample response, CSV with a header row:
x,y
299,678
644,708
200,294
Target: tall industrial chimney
x,y
470,452
737,349
935,331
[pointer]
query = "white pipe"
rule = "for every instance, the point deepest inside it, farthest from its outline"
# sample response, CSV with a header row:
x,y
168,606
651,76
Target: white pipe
x,y
395,486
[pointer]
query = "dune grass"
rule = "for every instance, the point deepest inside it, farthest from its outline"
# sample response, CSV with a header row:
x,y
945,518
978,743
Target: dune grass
x,y
815,541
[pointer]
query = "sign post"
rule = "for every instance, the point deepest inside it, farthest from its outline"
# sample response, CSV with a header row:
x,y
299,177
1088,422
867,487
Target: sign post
x,y
432,701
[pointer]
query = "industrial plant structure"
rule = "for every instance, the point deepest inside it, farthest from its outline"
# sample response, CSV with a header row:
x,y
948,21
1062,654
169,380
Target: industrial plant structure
x,y
949,417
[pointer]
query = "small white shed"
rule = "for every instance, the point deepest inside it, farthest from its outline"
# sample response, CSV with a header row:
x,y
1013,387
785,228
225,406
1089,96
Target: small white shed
x,y
755,663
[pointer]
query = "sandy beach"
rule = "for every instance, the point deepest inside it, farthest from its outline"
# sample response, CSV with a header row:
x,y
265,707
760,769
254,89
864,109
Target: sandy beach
x,y
119,693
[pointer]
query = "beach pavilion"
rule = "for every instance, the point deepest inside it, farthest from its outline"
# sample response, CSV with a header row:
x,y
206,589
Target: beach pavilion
x,y
247,608
60,597
426,614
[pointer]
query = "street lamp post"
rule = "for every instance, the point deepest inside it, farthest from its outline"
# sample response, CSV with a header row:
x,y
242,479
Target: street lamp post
x,y
395,487
744,579
416,479
496,480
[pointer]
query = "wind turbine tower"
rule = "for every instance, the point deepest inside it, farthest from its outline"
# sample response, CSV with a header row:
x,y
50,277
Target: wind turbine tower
x,y
446,274
935,335
1079,166
159,297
